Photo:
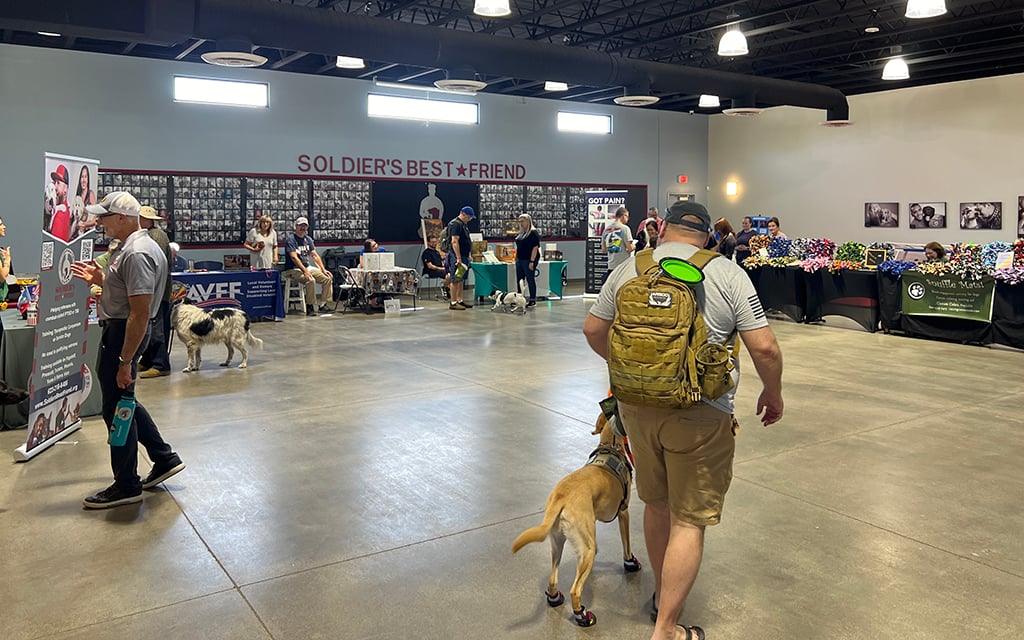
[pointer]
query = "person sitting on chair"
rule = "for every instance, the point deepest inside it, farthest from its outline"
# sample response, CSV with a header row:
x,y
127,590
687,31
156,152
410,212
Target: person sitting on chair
x,y
433,265
304,264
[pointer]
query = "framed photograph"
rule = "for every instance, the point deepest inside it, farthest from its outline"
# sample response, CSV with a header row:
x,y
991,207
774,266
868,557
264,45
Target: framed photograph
x,y
882,214
927,215
1020,216
981,215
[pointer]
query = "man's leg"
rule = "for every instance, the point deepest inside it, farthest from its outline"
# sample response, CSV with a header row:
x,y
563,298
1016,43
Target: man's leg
x,y
681,547
326,285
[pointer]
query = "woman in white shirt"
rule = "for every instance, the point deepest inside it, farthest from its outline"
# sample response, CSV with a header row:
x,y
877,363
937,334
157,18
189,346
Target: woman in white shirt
x,y
262,244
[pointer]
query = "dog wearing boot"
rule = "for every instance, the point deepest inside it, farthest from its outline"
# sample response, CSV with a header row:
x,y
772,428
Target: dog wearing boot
x,y
597,491
511,302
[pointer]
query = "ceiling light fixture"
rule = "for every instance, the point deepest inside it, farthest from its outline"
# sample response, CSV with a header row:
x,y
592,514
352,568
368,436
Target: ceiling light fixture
x,y
708,102
345,62
733,42
896,68
417,87
48,34
551,85
492,8
871,29
873,25
925,8
230,52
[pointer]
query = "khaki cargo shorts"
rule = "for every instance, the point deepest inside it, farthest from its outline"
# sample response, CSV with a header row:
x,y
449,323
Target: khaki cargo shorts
x,y
683,457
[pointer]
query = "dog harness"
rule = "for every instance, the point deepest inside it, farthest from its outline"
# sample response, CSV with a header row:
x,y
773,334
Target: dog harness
x,y
613,461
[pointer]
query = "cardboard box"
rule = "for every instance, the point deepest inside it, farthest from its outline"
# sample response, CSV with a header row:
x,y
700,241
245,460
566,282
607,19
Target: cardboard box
x,y
505,252
378,261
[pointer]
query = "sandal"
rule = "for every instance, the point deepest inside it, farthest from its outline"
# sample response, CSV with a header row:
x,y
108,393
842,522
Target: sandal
x,y
692,632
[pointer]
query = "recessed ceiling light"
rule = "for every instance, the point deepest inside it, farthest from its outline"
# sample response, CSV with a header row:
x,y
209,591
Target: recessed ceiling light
x,y
551,85
346,62
871,29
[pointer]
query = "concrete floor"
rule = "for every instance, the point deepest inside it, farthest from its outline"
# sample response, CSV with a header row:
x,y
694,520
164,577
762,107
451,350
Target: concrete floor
x,y
366,476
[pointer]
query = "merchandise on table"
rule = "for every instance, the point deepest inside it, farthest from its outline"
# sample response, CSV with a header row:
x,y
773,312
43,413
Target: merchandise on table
x,y
896,267
850,252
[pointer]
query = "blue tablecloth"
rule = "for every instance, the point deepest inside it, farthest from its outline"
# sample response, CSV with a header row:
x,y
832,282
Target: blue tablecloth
x,y
258,293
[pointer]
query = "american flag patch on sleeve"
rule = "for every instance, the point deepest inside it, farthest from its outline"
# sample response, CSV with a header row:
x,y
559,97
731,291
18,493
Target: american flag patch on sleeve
x,y
755,306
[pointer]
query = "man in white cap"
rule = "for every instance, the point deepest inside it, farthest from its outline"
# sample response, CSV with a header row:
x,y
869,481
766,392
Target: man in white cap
x,y
306,266
132,283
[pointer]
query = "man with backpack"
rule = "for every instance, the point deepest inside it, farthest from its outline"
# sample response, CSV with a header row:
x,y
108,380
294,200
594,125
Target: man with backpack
x,y
456,237
665,321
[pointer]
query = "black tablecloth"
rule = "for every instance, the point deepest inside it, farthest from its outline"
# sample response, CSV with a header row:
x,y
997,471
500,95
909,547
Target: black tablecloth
x,y
890,301
781,289
1008,315
851,294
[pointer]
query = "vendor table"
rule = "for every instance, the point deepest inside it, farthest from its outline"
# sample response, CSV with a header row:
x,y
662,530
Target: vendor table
x,y
398,281
852,294
501,276
258,293
16,367
782,289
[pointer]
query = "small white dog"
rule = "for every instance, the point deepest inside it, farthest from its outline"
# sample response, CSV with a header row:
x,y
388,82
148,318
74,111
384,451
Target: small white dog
x,y
512,302
196,327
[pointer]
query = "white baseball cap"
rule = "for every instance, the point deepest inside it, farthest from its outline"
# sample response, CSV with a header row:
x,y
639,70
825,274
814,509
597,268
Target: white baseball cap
x,y
301,220
116,202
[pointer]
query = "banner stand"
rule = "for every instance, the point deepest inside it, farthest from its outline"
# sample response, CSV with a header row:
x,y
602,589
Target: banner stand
x,y
23,454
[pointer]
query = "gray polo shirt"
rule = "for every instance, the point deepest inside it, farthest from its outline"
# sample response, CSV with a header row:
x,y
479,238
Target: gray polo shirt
x,y
137,267
727,300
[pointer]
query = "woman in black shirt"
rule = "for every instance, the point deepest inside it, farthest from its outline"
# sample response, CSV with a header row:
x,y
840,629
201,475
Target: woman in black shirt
x,y
743,240
527,256
726,244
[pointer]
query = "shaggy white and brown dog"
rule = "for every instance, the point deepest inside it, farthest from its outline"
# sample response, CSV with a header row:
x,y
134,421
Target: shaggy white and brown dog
x,y
196,327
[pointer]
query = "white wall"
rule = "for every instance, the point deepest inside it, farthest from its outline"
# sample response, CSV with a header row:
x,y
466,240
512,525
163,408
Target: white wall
x,y
119,110
957,142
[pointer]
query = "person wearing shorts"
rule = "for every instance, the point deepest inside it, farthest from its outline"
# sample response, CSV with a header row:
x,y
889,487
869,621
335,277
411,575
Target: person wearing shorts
x,y
683,457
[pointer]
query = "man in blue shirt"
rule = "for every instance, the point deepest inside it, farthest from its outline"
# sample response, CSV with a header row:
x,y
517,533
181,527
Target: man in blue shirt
x,y
306,266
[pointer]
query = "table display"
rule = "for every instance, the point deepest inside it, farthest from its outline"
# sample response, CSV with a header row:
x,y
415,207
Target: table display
x,y
852,294
16,366
489,277
258,293
398,281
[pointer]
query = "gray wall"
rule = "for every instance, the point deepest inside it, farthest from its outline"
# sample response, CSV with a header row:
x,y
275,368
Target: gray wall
x,y
953,143
119,110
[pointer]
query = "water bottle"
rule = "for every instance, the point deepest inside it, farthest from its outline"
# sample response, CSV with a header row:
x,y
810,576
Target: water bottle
x,y
123,415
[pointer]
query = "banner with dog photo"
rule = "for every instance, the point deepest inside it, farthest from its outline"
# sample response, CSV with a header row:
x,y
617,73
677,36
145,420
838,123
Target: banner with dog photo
x,y
601,208
61,378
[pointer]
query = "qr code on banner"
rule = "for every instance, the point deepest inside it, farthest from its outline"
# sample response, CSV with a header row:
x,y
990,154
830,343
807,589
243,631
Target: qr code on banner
x,y
86,250
47,261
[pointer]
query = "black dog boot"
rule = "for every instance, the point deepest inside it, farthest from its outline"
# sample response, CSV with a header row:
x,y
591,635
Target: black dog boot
x,y
632,565
554,600
584,618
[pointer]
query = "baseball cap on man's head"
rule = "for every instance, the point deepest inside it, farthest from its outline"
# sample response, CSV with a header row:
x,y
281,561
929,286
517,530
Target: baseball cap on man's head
x,y
301,220
60,175
680,211
116,202
468,211
149,213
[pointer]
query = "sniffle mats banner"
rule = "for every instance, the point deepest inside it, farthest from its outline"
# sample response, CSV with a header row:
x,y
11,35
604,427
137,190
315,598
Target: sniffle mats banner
x,y
948,296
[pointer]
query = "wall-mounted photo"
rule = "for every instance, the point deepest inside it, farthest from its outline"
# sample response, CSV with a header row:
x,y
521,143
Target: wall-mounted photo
x,y
927,215
981,215
1020,216
881,214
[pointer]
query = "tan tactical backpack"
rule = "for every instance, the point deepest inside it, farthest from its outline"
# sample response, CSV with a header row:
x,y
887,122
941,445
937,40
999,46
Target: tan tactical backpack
x,y
658,349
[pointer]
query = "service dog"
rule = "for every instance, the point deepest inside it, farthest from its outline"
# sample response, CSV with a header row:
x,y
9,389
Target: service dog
x,y
197,327
511,302
598,491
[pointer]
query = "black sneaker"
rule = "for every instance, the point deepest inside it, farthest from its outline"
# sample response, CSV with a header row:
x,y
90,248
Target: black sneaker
x,y
112,496
310,311
531,304
160,473
457,306
465,304
325,309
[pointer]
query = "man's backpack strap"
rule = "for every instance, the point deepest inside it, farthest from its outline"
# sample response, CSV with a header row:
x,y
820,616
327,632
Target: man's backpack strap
x,y
644,261
702,258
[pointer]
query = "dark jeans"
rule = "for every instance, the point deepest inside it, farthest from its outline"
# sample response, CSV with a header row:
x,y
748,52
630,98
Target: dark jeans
x,y
523,270
124,461
156,355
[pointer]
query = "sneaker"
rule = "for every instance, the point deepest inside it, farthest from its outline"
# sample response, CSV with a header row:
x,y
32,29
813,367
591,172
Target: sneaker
x,y
160,473
457,306
531,304
143,370
153,373
465,304
325,309
112,496
310,311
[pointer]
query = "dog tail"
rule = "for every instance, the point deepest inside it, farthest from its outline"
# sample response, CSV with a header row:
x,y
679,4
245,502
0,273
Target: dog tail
x,y
253,340
541,531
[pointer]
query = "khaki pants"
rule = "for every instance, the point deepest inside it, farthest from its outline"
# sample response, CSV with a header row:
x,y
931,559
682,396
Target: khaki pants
x,y
325,280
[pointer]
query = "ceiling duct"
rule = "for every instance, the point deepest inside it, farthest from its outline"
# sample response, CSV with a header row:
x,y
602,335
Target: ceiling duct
x,y
234,52
745,106
637,95
305,28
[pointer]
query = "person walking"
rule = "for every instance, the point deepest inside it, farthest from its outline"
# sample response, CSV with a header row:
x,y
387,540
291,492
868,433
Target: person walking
x,y
527,257
457,261
132,283
684,456
156,360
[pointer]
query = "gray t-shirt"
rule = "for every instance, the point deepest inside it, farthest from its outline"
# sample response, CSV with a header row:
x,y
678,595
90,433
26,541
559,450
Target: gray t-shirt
x,y
137,267
726,298
616,240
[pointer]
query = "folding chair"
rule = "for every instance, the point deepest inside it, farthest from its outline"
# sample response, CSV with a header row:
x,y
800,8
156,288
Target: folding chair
x,y
347,291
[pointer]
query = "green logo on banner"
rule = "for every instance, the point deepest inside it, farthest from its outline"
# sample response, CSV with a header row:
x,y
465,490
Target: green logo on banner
x,y
947,296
